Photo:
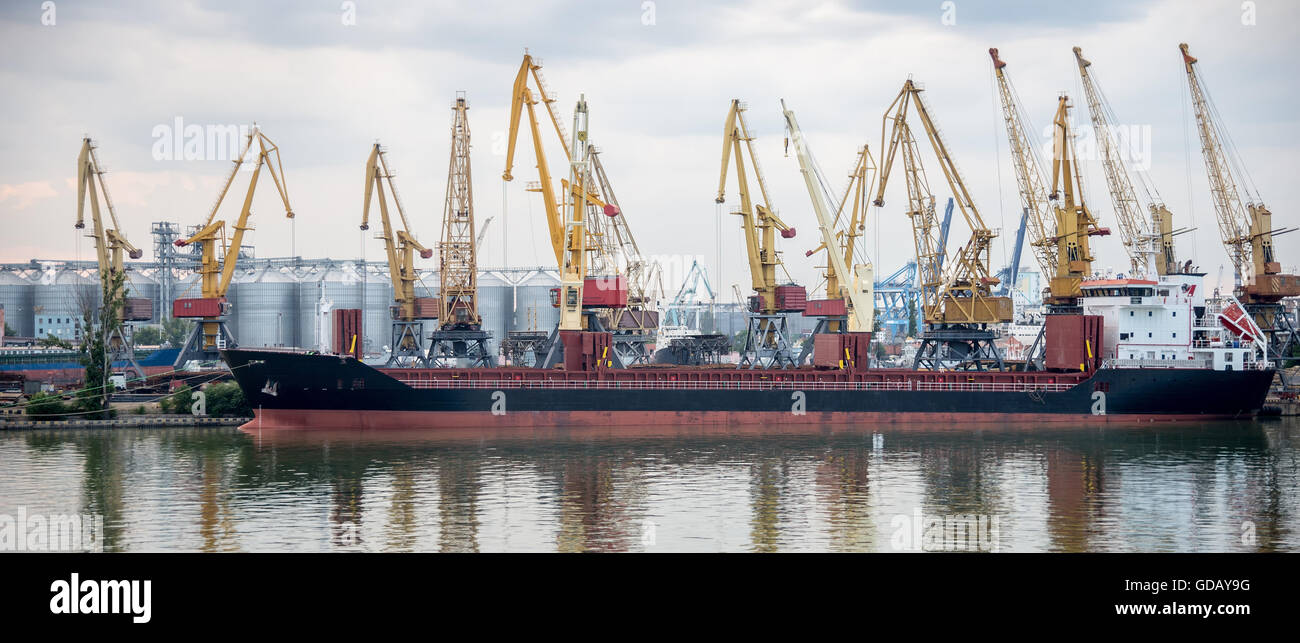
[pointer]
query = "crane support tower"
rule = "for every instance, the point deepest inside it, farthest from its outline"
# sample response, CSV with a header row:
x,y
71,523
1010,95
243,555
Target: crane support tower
x,y
110,245
958,306
1245,224
406,347
210,334
848,282
460,336
767,340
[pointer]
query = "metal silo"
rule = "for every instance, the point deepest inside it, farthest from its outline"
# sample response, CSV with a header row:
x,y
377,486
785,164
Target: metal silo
x,y
376,320
59,301
267,310
494,306
321,291
532,305
17,294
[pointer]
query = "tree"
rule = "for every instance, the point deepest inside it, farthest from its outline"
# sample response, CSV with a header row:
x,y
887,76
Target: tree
x,y
176,331
148,336
9,331
100,325
227,400
50,341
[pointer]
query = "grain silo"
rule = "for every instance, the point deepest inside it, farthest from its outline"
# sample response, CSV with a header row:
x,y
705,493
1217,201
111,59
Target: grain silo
x,y
532,303
320,292
60,300
494,306
376,319
17,295
267,311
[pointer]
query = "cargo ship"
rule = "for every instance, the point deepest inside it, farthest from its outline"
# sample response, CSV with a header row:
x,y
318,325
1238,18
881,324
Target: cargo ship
x,y
1143,350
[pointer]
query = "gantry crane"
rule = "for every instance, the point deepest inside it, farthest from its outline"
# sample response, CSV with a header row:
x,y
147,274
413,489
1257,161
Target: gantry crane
x,y
210,334
957,301
460,334
612,251
1245,225
767,342
1145,238
110,245
408,312
851,285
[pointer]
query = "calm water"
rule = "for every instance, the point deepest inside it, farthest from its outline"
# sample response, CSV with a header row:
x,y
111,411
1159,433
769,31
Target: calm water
x,y
1213,487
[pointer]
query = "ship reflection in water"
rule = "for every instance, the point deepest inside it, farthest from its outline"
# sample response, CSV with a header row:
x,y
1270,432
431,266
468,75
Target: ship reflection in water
x,y
1210,487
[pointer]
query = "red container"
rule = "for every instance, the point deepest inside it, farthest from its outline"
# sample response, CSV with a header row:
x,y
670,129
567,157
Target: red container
x,y
791,299
427,307
825,308
348,339
848,351
137,309
199,307
605,292
1073,342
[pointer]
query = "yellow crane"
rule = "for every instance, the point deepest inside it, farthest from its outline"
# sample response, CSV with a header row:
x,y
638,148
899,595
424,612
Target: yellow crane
x,y
1143,237
210,333
1074,221
956,296
407,345
460,333
767,340
110,245
612,249
852,285
1029,173
1245,225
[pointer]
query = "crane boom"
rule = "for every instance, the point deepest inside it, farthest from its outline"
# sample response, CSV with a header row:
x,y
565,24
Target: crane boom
x,y
759,221
1074,221
1029,173
110,244
399,245
216,275
958,293
1246,228
856,283
1137,232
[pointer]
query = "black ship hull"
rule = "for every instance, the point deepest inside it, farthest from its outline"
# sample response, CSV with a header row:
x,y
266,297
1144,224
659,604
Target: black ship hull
x,y
314,391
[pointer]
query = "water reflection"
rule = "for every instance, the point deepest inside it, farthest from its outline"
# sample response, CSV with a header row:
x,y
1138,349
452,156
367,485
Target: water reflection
x,y
1213,487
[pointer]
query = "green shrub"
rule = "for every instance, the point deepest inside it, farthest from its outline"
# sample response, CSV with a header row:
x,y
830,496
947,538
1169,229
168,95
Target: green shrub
x,y
44,406
226,400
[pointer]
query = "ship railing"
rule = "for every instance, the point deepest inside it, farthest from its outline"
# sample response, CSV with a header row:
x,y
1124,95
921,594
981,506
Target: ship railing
x,y
677,385
995,387
1201,363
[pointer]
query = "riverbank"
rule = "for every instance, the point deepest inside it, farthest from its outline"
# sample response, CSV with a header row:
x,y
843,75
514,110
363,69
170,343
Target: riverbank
x,y
132,422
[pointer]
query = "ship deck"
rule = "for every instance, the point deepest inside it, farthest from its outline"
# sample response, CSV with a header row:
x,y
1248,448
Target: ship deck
x,y
696,378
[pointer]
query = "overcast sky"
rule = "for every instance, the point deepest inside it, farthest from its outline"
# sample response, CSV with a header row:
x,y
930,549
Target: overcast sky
x,y
325,79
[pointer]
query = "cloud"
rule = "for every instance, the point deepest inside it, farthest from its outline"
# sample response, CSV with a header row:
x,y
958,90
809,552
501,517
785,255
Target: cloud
x,y
324,91
22,195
